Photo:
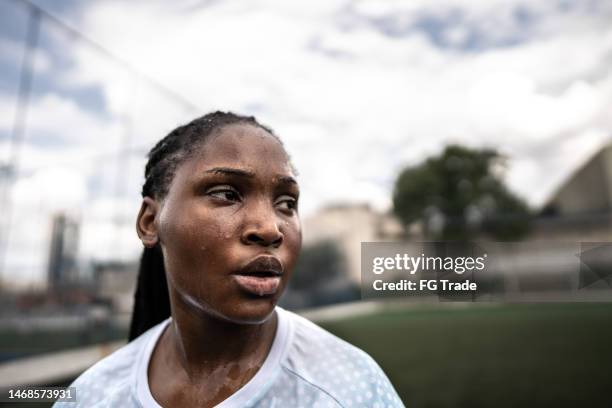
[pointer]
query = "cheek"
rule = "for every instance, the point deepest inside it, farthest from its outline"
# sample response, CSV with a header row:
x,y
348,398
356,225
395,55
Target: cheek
x,y
197,241
184,235
185,227
293,241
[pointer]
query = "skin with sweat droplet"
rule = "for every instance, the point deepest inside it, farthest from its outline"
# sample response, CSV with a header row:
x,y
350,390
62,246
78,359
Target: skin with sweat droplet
x,y
233,200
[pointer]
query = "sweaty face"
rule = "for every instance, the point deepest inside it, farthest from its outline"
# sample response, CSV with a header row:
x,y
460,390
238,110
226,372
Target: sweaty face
x,y
229,227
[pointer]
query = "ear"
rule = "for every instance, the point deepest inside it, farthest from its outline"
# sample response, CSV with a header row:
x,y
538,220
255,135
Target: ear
x,y
146,226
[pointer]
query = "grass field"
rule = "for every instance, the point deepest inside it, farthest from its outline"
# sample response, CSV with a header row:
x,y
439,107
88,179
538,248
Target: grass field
x,y
488,355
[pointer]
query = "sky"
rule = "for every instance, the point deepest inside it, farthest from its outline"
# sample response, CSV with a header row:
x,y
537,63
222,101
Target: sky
x,y
357,90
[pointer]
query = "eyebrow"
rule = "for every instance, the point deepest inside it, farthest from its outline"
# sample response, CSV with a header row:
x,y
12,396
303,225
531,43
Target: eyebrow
x,y
231,172
228,171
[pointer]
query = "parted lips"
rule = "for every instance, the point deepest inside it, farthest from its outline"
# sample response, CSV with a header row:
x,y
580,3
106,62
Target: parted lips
x,y
262,266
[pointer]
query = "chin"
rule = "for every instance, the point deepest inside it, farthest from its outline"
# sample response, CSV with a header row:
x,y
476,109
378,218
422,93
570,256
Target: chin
x,y
253,310
242,311
239,307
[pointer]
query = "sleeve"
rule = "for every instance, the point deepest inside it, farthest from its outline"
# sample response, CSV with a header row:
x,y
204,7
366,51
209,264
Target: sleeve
x,y
109,378
87,392
380,392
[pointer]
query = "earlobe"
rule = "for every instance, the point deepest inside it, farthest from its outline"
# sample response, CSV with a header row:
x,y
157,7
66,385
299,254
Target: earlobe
x,y
146,226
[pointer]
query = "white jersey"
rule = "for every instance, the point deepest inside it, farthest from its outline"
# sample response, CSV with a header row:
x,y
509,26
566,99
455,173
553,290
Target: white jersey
x,y
306,367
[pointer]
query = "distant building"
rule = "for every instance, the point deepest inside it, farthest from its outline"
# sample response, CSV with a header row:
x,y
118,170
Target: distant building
x,y
581,208
578,212
348,225
588,190
62,267
116,283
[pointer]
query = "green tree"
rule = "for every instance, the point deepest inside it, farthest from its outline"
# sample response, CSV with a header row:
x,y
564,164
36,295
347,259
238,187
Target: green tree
x,y
459,195
318,264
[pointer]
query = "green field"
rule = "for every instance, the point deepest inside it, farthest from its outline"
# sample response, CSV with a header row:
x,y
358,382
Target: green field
x,y
489,355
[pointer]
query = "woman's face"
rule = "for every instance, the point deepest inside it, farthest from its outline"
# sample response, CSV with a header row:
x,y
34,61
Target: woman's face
x,y
229,227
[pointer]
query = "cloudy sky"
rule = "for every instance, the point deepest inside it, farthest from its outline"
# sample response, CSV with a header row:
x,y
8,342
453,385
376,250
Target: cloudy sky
x,y
356,89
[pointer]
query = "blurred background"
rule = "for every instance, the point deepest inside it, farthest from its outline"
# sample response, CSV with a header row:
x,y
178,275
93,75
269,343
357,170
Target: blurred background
x,y
407,120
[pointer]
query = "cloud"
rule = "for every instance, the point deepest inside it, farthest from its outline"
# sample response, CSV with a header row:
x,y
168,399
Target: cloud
x,y
34,200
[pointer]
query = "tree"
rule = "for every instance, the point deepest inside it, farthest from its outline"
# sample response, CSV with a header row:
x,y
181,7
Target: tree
x,y
458,195
318,264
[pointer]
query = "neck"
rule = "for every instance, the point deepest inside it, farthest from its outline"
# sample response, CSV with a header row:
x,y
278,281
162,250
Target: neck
x,y
204,344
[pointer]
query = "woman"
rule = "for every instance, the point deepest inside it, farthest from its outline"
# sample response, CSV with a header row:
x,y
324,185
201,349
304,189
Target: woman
x,y
221,232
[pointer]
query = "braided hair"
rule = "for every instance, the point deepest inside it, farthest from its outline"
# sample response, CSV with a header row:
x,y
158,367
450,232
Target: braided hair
x,y
151,299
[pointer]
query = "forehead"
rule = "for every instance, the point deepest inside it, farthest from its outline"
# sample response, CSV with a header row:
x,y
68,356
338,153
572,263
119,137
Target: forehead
x,y
242,146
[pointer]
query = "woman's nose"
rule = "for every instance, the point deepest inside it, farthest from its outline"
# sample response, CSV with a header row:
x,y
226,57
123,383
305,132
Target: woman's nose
x,y
262,228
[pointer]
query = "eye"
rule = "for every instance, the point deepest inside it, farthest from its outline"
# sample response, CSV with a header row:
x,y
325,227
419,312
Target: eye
x,y
225,193
287,203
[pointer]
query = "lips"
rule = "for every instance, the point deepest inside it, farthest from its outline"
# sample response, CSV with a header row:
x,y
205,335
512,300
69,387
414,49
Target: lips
x,y
261,276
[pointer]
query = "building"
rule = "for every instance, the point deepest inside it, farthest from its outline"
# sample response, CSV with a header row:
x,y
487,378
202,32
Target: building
x,y
116,283
348,225
62,268
581,208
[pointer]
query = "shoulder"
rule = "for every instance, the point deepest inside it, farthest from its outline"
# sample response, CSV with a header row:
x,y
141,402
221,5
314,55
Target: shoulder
x,y
335,367
112,379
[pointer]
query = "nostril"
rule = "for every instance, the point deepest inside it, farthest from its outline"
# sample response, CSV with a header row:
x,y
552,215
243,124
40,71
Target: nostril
x,y
277,242
254,238
270,241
